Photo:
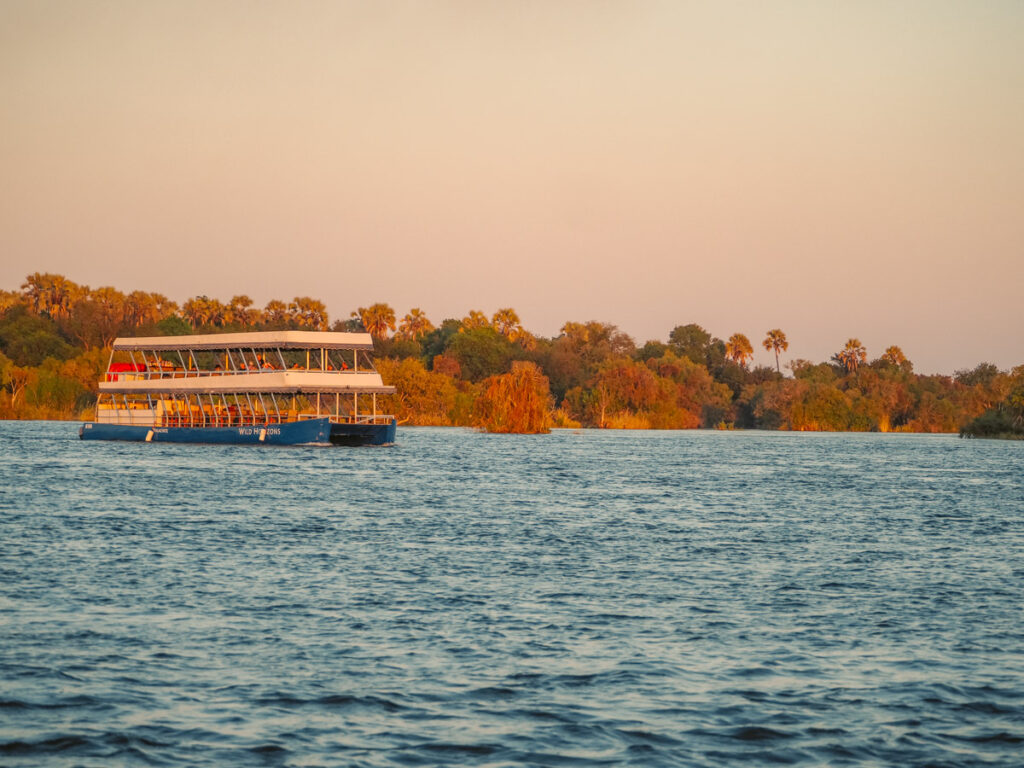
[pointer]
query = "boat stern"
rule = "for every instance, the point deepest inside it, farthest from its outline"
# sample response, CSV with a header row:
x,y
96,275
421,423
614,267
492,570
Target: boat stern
x,y
380,433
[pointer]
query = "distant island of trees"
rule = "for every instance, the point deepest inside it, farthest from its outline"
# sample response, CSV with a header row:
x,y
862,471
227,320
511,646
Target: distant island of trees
x,y
491,372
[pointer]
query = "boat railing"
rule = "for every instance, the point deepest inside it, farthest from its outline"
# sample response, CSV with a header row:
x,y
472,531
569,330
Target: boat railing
x,y
378,418
181,373
220,420
244,420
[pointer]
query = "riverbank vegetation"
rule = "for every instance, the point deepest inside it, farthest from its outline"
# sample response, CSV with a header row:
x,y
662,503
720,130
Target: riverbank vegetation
x,y
1004,420
490,372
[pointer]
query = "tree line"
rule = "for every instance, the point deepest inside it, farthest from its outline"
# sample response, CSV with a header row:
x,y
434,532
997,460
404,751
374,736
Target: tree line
x,y
489,371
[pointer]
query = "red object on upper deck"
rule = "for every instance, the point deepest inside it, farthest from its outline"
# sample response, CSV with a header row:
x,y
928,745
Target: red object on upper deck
x,y
123,368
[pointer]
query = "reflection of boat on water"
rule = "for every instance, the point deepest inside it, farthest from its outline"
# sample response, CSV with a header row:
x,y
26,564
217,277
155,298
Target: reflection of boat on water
x,y
277,387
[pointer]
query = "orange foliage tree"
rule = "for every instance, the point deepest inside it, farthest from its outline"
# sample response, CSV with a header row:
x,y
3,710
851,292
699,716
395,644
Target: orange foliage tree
x,y
518,401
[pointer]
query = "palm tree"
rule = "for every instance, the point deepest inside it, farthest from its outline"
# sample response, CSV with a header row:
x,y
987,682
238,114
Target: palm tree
x,y
240,311
894,356
275,313
475,319
377,319
738,349
776,340
308,312
164,306
506,322
851,356
218,313
140,308
415,324
197,311
9,299
53,295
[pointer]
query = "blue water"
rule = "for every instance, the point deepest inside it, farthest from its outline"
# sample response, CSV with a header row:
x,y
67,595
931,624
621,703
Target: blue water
x,y
583,598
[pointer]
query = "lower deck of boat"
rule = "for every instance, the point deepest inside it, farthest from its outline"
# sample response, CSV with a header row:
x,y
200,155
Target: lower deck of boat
x,y
306,432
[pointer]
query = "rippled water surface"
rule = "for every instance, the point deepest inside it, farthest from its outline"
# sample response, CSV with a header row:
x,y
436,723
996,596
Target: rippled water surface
x,y
583,598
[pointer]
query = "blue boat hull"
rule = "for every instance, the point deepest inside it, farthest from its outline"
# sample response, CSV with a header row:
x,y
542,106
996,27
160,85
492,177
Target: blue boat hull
x,y
320,431
296,433
363,434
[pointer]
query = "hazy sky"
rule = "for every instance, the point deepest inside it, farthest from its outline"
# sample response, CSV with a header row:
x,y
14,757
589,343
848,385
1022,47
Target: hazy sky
x,y
833,169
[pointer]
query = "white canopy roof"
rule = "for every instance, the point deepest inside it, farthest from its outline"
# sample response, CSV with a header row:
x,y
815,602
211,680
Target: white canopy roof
x,y
251,340
290,381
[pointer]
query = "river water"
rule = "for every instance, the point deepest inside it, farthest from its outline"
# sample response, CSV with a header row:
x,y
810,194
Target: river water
x,y
581,598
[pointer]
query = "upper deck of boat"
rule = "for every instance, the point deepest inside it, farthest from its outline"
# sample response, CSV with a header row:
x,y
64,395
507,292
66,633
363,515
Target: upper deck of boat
x,y
259,361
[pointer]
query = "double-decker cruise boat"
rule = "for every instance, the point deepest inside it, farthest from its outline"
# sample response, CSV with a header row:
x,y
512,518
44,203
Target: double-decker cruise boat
x,y
269,387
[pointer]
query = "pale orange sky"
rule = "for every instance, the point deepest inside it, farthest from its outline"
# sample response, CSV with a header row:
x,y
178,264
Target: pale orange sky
x,y
833,169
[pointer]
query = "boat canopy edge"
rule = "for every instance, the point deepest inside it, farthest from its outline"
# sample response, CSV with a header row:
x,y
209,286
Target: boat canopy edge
x,y
250,340
215,387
